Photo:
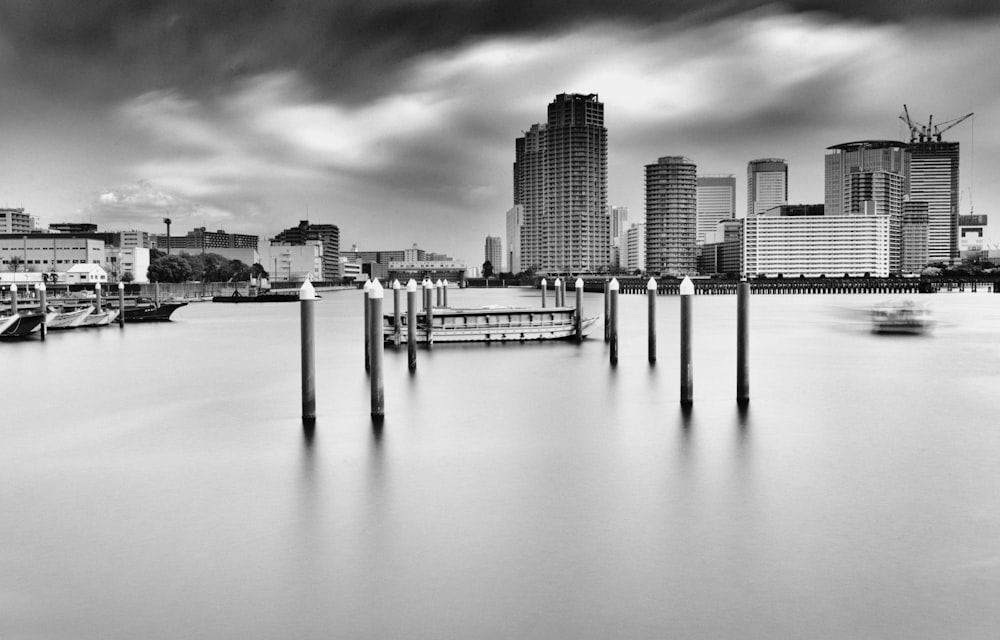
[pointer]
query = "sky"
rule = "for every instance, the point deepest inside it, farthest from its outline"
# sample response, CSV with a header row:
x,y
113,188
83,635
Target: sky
x,y
396,120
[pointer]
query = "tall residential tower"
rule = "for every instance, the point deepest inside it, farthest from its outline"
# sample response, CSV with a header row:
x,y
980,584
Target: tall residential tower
x,y
671,216
561,181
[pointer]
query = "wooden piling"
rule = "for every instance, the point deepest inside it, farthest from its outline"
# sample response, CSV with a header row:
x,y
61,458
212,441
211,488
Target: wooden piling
x,y
578,285
307,295
558,291
13,299
439,288
429,311
651,299
742,343
411,323
43,329
97,297
397,330
444,290
613,320
375,295
545,285
368,330
687,377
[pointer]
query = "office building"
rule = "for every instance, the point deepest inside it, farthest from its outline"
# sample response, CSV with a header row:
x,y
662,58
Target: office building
x,y
494,253
618,223
634,248
725,254
671,216
716,202
514,222
328,234
15,221
868,177
914,237
812,244
202,241
934,180
561,181
767,185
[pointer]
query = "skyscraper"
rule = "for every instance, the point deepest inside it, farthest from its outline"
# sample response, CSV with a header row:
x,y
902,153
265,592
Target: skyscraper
x,y
934,180
618,223
868,177
494,253
767,185
716,202
561,181
671,216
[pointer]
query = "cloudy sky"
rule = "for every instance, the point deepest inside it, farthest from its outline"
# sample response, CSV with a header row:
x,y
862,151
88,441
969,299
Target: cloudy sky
x,y
396,119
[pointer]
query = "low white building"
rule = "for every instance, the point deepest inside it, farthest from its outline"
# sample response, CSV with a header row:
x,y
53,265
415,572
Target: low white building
x,y
815,245
88,273
293,262
129,260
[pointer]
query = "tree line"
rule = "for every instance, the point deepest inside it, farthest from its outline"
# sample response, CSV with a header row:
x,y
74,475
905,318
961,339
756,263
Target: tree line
x,y
208,267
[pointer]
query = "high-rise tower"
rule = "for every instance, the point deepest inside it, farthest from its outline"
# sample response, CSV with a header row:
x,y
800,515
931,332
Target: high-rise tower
x,y
671,216
716,202
494,253
934,180
561,181
767,185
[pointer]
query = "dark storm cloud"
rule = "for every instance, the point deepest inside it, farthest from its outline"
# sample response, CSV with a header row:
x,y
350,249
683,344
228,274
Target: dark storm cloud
x,y
353,50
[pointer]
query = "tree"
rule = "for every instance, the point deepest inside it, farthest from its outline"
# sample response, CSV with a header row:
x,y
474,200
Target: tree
x,y
238,271
170,268
127,277
487,269
16,263
258,272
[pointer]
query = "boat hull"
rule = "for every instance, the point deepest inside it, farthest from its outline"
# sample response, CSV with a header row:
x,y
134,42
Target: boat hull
x,y
494,324
151,313
22,325
70,319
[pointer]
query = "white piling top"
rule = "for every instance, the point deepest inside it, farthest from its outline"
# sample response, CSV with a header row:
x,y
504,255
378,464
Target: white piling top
x,y
411,286
368,285
376,292
306,291
579,283
614,285
439,284
97,286
395,284
545,282
558,282
445,283
428,284
687,287
13,288
651,285
121,286
40,286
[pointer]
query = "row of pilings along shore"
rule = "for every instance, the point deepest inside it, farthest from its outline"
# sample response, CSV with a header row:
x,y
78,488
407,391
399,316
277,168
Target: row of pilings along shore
x,y
779,286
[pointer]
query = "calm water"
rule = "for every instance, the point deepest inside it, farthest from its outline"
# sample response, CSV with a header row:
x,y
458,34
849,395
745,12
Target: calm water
x,y
157,482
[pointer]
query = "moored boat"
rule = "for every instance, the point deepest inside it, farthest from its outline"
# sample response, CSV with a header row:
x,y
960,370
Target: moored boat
x,y
151,312
101,318
490,324
22,324
904,316
70,319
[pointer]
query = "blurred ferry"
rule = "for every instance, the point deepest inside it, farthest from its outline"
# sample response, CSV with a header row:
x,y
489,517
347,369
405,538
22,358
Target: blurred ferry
x,y
905,316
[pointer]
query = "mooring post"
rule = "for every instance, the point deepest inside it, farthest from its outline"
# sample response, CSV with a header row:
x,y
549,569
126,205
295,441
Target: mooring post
x,y
565,284
444,290
397,330
651,296
411,323
43,307
557,290
368,328
742,343
156,294
375,295
687,376
13,298
307,295
613,320
97,297
439,288
429,311
121,305
545,285
607,310
578,285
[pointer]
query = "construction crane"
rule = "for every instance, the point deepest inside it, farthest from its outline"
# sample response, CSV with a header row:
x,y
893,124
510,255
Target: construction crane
x,y
929,132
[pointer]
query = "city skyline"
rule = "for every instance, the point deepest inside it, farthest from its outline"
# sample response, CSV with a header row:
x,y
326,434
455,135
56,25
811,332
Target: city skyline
x,y
252,120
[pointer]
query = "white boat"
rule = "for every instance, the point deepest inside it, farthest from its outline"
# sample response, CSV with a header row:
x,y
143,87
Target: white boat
x,y
7,321
490,324
904,316
70,319
100,319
